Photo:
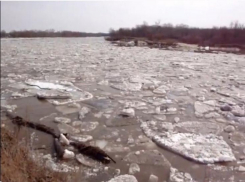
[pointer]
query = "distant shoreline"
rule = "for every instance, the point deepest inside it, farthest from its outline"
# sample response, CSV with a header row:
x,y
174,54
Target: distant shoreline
x,y
49,37
49,34
233,36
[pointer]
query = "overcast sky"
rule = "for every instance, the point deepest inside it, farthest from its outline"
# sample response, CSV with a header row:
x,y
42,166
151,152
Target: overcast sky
x,y
100,16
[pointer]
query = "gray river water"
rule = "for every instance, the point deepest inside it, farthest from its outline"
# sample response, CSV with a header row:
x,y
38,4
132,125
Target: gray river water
x,y
170,116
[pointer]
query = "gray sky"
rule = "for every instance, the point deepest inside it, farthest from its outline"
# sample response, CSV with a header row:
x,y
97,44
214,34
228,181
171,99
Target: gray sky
x,y
100,16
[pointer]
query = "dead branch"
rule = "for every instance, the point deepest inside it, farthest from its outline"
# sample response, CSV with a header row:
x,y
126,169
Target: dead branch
x,y
92,152
21,122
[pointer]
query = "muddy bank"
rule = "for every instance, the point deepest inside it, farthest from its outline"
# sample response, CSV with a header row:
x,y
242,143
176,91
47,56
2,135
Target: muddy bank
x,y
18,165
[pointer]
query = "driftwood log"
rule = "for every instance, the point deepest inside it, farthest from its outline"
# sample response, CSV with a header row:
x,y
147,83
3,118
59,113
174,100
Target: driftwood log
x,y
90,151
21,122
93,152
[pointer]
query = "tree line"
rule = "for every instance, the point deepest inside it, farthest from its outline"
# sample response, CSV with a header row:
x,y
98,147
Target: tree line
x,y
48,33
232,35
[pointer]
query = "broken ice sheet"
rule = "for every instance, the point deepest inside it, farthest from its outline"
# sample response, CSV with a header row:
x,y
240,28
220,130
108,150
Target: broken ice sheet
x,y
51,164
219,173
85,126
121,120
177,176
198,127
127,112
103,103
65,128
238,138
127,86
134,104
54,91
148,157
202,148
81,138
76,96
52,94
179,91
138,79
161,90
69,108
62,120
47,85
116,148
153,127
124,178
202,108
84,110
157,101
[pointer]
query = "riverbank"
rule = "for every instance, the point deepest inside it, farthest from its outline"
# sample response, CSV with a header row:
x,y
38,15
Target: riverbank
x,y
17,165
174,45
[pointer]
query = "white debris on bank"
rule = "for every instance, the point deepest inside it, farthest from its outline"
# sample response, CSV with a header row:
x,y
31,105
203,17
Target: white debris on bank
x,y
58,167
68,154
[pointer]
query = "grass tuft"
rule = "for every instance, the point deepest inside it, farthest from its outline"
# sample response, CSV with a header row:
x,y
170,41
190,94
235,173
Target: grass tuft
x,y
18,166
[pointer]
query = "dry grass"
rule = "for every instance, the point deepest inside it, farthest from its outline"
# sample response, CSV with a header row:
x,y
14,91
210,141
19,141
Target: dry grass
x,y
17,166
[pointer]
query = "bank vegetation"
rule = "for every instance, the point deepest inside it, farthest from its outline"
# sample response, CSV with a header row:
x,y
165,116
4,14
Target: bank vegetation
x,y
232,36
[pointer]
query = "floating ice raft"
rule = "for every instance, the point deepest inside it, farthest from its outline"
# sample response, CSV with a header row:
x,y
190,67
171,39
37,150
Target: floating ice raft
x,y
50,91
201,148
48,85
